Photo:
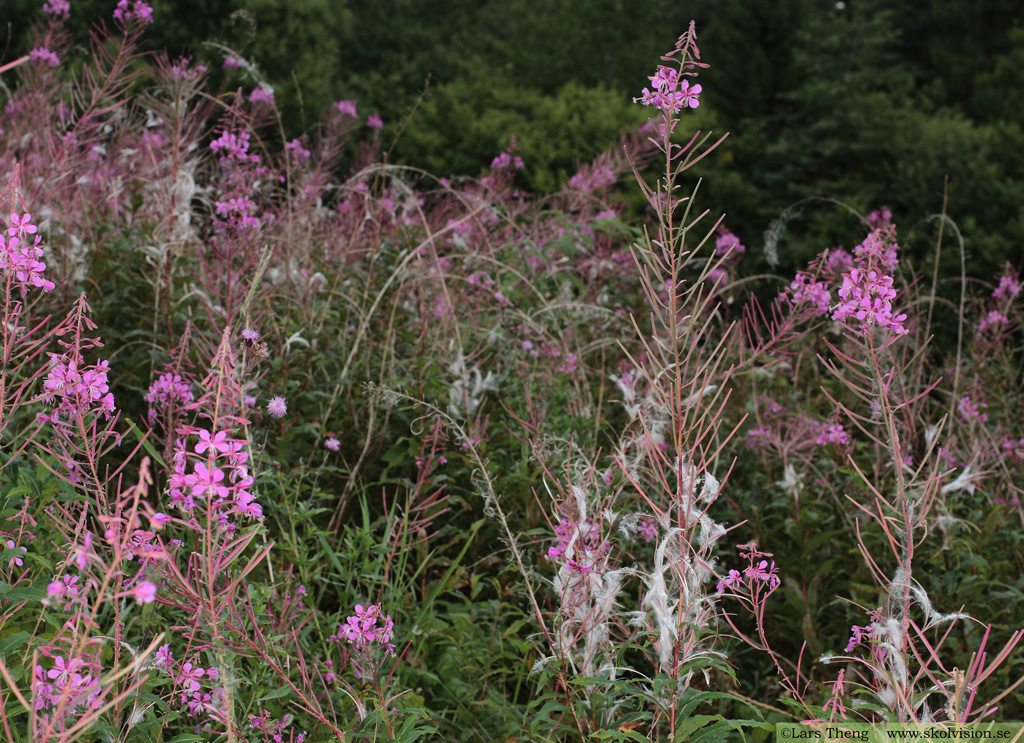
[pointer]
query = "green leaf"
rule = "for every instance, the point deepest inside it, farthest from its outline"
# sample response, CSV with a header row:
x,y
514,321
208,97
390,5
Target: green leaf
x,y
12,642
275,694
146,443
20,592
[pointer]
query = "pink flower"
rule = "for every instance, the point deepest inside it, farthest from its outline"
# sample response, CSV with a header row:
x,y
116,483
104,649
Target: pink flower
x,y
144,592
21,226
860,636
189,676
23,259
277,406
251,335
219,443
262,93
59,9
168,389
346,107
1009,286
764,573
140,12
735,577
814,293
994,319
234,146
834,434
300,153
83,551
44,56
506,161
14,561
64,671
970,410
374,122
867,297
246,505
362,629
729,243
879,248
181,69
880,218
206,479
332,444
647,529
670,93
163,658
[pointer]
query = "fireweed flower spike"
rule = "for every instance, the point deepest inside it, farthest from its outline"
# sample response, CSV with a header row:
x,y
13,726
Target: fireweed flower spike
x,y
367,632
21,253
670,89
137,12
867,291
44,56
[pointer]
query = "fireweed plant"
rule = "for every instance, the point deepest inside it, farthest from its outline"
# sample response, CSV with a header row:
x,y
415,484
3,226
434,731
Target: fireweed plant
x,y
299,445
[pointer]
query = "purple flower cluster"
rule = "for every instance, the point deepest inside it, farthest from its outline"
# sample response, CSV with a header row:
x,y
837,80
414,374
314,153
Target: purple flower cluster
x,y
78,390
238,212
879,248
57,9
346,107
297,151
274,730
804,290
262,94
20,257
363,631
972,411
834,434
219,479
1009,286
861,636
182,68
993,320
757,573
233,146
728,243
647,529
671,93
169,389
593,178
42,55
507,161
192,696
867,291
64,688
67,590
880,218
588,548
137,12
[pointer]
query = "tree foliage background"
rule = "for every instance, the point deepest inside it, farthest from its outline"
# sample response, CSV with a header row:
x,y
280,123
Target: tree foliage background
x,y
869,102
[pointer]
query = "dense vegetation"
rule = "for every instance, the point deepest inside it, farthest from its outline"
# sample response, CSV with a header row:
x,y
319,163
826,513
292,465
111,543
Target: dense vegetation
x,y
306,436
867,102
